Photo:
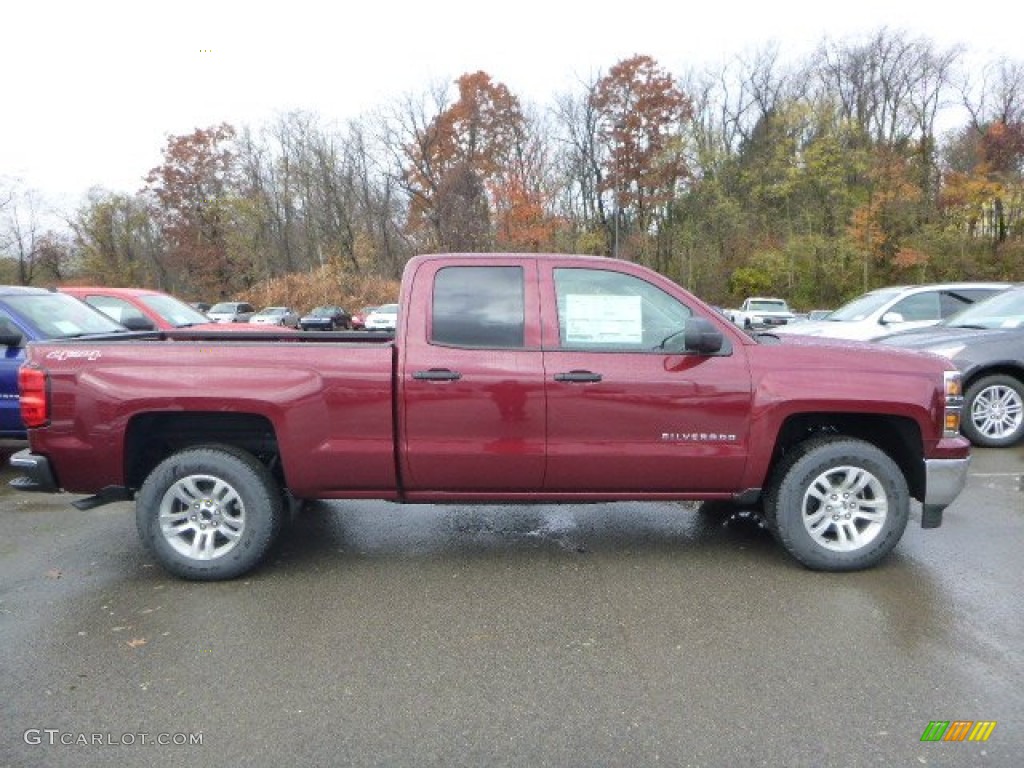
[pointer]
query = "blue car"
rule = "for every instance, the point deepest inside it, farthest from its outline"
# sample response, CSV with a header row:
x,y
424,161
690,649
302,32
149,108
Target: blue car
x,y
30,314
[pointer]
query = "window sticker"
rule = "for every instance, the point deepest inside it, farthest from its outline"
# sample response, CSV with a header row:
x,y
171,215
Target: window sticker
x,y
603,319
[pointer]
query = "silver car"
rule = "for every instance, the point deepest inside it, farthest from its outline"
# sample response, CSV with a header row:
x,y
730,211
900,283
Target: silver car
x,y
276,316
231,312
891,310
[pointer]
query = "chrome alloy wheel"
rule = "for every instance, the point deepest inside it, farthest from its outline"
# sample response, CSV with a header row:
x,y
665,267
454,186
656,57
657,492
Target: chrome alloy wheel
x,y
844,508
202,517
997,411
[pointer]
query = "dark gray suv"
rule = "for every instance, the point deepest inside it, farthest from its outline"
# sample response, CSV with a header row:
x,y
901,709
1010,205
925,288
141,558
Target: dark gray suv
x,y
986,342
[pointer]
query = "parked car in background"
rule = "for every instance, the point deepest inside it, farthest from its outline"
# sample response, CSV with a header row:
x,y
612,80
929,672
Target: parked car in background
x,y
201,306
285,316
231,312
761,312
325,318
890,310
986,342
383,318
141,309
34,314
359,318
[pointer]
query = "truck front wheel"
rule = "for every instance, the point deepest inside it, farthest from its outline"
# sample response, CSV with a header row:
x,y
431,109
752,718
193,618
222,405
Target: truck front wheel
x,y
209,513
838,504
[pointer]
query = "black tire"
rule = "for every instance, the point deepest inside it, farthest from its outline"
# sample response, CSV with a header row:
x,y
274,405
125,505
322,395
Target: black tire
x,y
851,478
994,411
209,513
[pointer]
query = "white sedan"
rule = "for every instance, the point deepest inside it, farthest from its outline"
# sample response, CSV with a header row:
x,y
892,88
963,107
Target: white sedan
x,y
383,318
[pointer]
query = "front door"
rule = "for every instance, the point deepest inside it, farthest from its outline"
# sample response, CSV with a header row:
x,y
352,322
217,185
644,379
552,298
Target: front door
x,y
625,416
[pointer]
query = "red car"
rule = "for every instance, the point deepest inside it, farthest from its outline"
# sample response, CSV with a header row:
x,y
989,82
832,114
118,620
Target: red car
x,y
144,309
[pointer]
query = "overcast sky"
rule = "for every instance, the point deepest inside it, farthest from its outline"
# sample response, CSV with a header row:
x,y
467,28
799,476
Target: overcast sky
x,y
92,88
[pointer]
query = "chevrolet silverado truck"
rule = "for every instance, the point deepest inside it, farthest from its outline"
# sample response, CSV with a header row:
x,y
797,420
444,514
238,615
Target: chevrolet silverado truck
x,y
510,378
761,312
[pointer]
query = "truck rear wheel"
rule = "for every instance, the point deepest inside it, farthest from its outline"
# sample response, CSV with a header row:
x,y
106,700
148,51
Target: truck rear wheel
x,y
209,513
838,504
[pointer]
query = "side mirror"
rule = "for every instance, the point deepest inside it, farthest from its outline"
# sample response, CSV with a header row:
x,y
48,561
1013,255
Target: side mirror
x,y
10,339
892,317
138,323
702,336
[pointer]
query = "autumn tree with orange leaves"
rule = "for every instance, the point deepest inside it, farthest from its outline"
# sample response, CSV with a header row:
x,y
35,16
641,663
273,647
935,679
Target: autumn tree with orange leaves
x,y
192,194
642,113
474,173
817,179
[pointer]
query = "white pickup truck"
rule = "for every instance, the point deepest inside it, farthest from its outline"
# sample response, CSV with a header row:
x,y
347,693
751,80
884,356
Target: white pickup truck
x,y
761,312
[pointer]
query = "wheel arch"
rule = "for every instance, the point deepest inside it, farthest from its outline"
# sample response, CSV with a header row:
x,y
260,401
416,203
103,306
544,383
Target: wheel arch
x,y
1001,369
152,437
899,437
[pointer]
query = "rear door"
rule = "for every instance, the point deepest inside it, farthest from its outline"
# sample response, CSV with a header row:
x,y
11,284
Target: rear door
x,y
624,416
471,388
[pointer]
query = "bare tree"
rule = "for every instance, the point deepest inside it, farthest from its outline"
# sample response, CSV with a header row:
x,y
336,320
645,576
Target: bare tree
x,y
21,231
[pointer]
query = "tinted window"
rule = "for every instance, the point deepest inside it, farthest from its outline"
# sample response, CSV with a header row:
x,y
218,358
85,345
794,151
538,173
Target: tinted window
x,y
610,310
479,307
9,328
954,301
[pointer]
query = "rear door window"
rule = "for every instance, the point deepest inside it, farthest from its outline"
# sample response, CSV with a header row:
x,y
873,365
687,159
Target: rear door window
x,y
479,307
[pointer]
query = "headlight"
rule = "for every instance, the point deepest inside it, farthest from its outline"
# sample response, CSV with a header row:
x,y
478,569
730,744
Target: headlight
x,y
948,352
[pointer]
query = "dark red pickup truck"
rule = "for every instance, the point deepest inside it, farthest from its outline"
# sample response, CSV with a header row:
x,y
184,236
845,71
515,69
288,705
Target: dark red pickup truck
x,y
511,377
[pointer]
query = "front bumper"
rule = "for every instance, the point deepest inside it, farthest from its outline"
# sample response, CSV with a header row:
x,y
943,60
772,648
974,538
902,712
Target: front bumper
x,y
944,480
36,473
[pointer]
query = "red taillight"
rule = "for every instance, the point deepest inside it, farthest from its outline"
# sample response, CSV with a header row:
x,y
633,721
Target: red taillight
x,y
35,410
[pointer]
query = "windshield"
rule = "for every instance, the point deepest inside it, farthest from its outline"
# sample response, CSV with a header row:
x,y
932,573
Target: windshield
x,y
225,307
1004,310
864,306
59,316
323,311
764,305
387,309
273,311
177,313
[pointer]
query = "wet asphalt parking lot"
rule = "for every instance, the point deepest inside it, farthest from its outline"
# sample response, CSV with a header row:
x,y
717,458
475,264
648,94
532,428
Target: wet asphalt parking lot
x,y
600,635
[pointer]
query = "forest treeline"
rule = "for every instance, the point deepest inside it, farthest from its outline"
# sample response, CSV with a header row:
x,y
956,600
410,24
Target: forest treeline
x,y
813,180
